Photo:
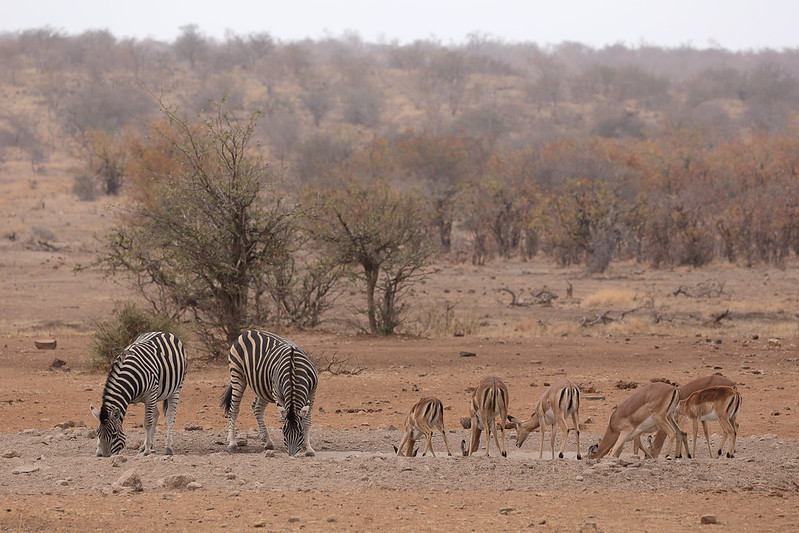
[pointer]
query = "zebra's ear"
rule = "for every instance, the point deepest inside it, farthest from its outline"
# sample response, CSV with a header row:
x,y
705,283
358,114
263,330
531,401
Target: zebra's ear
x,y
95,412
114,414
304,410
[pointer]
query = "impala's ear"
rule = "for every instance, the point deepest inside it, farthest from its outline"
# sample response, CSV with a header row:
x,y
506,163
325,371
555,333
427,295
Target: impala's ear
x,y
95,412
516,423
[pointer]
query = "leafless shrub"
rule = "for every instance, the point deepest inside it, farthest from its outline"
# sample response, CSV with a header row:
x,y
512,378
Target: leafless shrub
x,y
336,365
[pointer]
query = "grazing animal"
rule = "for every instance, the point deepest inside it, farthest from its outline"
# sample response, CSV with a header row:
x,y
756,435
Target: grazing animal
x,y
279,372
560,401
686,390
489,401
427,414
652,406
714,403
150,370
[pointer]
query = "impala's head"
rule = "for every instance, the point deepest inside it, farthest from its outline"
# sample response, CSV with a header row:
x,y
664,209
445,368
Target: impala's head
x,y
523,429
292,427
592,451
110,437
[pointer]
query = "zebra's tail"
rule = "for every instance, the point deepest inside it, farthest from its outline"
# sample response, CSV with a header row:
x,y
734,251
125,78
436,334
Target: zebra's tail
x,y
227,397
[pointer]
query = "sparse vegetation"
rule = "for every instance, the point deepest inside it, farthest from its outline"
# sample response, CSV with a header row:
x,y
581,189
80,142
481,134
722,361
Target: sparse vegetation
x,y
127,323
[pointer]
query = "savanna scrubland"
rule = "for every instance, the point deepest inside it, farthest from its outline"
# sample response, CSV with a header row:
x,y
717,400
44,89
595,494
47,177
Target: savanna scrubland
x,y
611,215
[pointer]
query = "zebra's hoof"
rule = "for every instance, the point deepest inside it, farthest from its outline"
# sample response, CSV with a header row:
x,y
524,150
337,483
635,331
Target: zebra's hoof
x,y
232,448
310,453
168,451
269,446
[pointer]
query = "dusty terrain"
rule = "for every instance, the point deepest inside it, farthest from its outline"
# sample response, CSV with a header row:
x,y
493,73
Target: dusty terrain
x,y
50,479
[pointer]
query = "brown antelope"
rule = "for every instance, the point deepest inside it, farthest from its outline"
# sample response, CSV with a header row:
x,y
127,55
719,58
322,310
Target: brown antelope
x,y
685,391
427,414
650,407
714,403
560,401
489,401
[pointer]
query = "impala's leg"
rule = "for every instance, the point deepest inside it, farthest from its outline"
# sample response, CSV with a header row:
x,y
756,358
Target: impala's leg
x,y
474,443
731,449
707,439
552,439
622,438
695,427
429,446
729,430
576,420
489,430
565,431
402,442
444,434
542,428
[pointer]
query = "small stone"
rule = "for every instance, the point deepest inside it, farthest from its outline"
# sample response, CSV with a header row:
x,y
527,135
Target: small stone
x,y
118,460
241,440
507,510
709,519
579,478
45,344
468,354
25,469
177,481
230,475
130,479
331,519
10,454
192,427
193,485
261,523
293,519
774,342
269,453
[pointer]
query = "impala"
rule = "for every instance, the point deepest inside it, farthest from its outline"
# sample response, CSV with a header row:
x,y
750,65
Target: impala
x,y
685,391
427,414
560,401
489,401
652,406
714,403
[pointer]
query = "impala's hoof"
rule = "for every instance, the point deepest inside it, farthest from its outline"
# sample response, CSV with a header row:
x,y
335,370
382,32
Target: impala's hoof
x,y
560,456
579,456
504,454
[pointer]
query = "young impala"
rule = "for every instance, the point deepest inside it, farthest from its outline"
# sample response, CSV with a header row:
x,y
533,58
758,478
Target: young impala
x,y
425,416
714,403
489,402
560,401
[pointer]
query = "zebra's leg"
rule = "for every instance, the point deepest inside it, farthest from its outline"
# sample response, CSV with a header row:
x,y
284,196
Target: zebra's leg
x,y
150,421
233,412
258,408
306,428
170,413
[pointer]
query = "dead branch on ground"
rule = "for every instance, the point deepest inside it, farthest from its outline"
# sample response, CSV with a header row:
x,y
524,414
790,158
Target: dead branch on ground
x,y
337,366
711,288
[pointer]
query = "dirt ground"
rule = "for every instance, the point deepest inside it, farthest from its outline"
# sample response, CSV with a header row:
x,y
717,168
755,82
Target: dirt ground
x,y
50,478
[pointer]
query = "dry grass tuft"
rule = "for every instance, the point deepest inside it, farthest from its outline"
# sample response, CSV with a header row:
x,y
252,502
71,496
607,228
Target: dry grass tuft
x,y
611,298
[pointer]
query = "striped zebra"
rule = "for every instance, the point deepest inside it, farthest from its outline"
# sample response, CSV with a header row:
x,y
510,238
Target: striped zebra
x,y
279,372
150,370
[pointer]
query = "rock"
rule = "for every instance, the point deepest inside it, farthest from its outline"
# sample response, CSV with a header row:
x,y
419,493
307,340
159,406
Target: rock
x,y
194,485
45,344
192,427
25,469
293,519
10,454
261,523
331,519
507,510
128,480
118,460
468,354
709,519
774,342
176,481
58,364
241,440
65,425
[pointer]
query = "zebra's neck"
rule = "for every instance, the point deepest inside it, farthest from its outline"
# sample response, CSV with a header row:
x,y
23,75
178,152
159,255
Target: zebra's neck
x,y
117,392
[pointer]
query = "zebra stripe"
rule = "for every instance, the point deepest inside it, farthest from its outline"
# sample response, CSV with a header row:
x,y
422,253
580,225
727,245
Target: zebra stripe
x,y
150,370
279,372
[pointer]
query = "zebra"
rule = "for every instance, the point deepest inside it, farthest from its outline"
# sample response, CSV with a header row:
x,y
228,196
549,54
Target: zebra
x,y
279,372
150,370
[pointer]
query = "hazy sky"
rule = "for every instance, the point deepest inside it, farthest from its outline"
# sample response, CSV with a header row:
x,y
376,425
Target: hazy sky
x,y
731,24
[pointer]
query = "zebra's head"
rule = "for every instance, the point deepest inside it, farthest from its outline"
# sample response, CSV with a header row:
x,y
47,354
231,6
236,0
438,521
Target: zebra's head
x,y
292,427
110,438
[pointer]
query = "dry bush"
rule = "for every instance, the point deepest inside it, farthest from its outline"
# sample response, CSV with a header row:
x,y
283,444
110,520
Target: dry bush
x,y
439,319
614,298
